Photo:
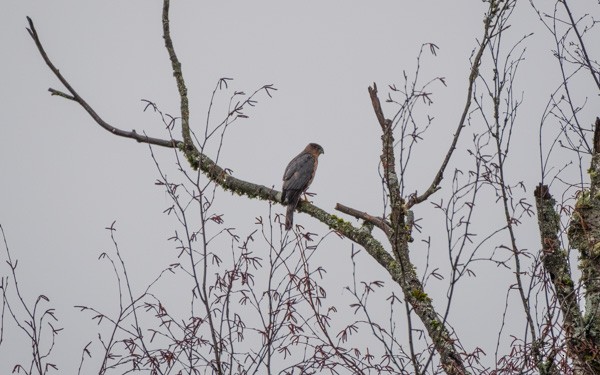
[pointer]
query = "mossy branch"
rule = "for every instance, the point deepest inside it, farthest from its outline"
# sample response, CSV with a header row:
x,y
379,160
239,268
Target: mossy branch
x,y
556,264
178,74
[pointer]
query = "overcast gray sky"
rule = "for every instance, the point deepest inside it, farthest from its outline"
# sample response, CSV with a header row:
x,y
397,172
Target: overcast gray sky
x,y
65,179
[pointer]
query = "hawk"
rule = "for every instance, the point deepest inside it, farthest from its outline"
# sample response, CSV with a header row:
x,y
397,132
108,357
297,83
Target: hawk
x,y
297,178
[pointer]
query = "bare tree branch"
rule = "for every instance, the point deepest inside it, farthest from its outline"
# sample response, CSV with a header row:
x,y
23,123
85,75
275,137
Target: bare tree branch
x,y
75,97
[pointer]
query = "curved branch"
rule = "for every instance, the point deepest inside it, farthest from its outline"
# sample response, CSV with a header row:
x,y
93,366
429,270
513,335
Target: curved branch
x,y
77,98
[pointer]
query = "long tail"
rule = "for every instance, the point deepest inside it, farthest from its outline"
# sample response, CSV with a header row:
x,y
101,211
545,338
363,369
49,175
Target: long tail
x,y
289,215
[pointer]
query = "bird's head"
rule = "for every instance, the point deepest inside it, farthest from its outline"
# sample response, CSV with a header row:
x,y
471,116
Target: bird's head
x,y
315,148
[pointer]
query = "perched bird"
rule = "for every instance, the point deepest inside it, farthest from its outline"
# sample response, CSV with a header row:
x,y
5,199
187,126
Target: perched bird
x,y
297,178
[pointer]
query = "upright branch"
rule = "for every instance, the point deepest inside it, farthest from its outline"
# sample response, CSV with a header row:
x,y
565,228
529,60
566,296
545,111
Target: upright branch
x,y
399,237
178,74
556,264
388,160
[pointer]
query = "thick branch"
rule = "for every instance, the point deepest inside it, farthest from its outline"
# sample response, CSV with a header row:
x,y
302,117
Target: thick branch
x,y
555,261
584,235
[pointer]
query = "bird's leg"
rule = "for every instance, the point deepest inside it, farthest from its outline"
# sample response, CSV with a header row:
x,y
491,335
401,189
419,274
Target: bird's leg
x,y
307,194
